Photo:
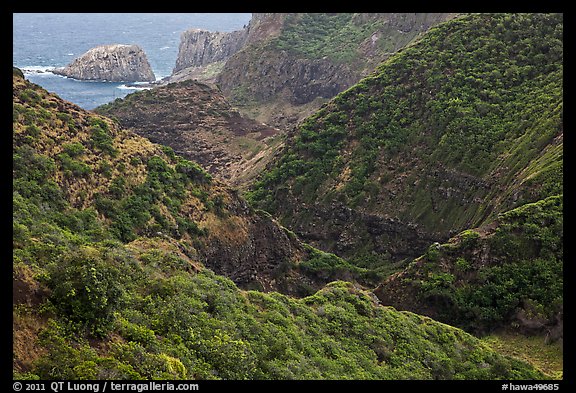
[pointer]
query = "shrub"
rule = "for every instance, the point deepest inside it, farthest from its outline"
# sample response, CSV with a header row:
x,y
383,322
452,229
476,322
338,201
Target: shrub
x,y
100,137
72,167
117,187
193,171
73,149
86,289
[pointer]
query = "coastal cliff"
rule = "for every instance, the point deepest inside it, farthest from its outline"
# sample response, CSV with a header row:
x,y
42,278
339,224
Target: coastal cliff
x,y
114,63
201,47
286,76
283,66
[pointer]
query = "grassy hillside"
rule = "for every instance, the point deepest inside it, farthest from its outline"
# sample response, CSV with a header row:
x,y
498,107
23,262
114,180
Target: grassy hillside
x,y
345,37
452,130
546,357
110,232
75,171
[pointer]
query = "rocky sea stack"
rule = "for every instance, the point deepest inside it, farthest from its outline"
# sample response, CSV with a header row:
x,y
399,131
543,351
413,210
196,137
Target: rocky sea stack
x,y
114,63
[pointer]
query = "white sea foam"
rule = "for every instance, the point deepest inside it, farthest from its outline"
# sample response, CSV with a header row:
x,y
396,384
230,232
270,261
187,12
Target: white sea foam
x,y
133,86
36,69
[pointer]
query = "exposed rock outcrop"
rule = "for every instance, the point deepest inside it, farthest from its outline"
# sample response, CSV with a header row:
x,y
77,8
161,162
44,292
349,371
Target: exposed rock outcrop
x,y
114,63
344,230
256,252
279,74
201,47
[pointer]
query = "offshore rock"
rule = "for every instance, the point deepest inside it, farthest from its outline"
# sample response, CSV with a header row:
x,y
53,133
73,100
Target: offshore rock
x,y
114,63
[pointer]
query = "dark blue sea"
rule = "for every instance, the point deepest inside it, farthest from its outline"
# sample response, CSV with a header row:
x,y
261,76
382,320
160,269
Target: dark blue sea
x,y
43,41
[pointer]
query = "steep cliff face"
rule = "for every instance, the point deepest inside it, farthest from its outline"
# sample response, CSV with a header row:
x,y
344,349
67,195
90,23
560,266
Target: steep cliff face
x,y
202,54
279,75
264,26
282,66
114,63
201,47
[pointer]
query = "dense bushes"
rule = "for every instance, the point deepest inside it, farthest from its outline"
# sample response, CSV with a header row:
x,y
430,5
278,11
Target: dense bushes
x,y
316,35
201,326
525,270
85,289
137,210
330,267
445,134
100,137
146,311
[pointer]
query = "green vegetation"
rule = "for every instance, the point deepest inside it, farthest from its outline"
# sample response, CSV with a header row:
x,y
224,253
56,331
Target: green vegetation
x,y
462,128
183,114
138,211
170,324
100,298
85,289
73,167
502,111
339,36
447,133
534,350
316,35
100,136
525,270
331,267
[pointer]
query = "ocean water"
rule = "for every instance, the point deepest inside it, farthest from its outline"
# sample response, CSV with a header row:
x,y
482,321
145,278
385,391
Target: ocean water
x,y
43,41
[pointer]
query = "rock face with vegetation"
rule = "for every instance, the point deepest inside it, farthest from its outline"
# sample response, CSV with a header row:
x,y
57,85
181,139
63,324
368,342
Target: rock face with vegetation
x,y
437,179
112,240
507,273
445,135
114,63
199,124
313,57
283,66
